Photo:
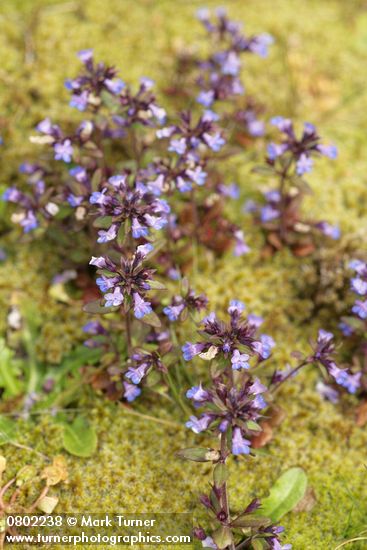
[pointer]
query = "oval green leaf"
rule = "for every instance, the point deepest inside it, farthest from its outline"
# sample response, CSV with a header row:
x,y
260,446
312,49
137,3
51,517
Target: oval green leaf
x,y
285,494
79,438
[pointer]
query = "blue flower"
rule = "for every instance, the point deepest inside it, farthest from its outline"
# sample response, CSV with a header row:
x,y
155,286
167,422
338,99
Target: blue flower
x,y
136,375
29,222
360,309
74,201
239,444
183,185
99,197
359,286
329,151
114,86
131,392
190,350
240,360
304,164
205,98
99,262
63,151
329,230
173,312
79,173
236,306
85,55
106,236
260,44
177,146
264,347
79,101
268,213
198,425
114,298
145,249
231,64
196,393
141,307
197,175
215,142
138,230
105,283
153,221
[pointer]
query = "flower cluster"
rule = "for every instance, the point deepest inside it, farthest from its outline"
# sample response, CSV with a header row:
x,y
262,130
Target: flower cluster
x,y
126,283
235,409
182,305
280,217
219,73
236,340
129,206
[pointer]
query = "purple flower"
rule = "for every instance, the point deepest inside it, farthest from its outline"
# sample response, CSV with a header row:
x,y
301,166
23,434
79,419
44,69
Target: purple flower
x,y
177,146
99,262
197,175
256,128
257,387
93,327
145,249
232,190
359,286
99,197
239,444
275,150
79,101
136,375
131,392
141,307
173,312
198,425
264,347
114,86
45,126
196,393
260,44
106,236
240,360
304,164
205,98
255,320
346,329
138,230
349,381
29,222
63,151
268,213
360,309
329,151
114,298
74,201
329,230
154,222
215,142
231,64
190,350
236,306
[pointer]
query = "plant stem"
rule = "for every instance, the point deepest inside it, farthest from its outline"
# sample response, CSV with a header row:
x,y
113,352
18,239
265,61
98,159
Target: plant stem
x,y
289,375
223,458
128,331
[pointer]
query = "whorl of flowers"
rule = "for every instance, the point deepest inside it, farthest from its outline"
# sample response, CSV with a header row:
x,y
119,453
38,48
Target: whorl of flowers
x,y
130,205
236,340
126,282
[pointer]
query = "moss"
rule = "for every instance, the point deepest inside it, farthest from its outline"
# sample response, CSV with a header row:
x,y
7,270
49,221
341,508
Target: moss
x,y
313,73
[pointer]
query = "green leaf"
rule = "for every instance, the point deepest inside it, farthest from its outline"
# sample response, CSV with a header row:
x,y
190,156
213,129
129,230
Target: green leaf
x,y
79,438
7,430
8,371
152,320
156,285
103,222
199,454
97,307
286,492
223,537
220,474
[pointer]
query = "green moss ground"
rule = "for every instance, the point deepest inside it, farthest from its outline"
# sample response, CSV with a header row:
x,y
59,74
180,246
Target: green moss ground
x,y
315,72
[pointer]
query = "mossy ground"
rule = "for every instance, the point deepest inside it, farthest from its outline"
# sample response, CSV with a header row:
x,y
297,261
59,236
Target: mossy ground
x,y
315,72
